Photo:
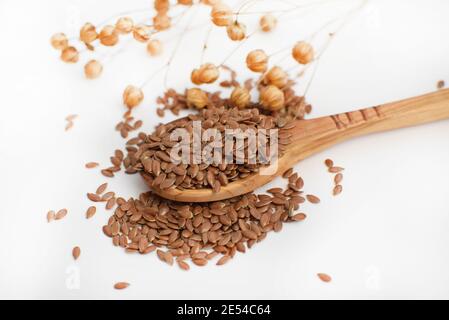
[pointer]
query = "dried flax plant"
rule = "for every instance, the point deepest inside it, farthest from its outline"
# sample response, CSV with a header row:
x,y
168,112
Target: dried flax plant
x,y
183,232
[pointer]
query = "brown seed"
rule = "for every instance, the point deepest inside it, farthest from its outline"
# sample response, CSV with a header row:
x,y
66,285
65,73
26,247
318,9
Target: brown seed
x,y
101,188
76,252
313,199
329,163
337,190
61,214
94,197
336,169
110,204
51,215
223,260
107,173
183,265
287,173
324,277
299,217
441,84
121,285
338,178
91,212
200,262
91,165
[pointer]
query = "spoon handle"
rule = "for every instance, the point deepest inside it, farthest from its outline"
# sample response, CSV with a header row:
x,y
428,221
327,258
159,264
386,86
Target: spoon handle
x,y
405,113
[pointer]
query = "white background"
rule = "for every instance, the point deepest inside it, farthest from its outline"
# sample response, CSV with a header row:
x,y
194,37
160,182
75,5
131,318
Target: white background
x,y
386,236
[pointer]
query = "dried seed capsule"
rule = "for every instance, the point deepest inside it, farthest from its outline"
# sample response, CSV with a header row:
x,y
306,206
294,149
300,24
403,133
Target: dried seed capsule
x,y
108,36
93,69
268,22
221,15
208,73
70,55
303,52
161,22
88,33
277,77
195,77
124,25
161,6
132,96
236,31
59,41
154,47
141,33
197,98
272,98
257,61
240,97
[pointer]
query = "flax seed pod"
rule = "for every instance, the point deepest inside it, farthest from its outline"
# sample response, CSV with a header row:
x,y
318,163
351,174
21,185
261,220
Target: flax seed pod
x,y
132,96
70,55
272,98
268,22
197,98
221,15
59,41
161,6
161,22
154,47
208,73
277,77
108,36
88,33
303,52
195,77
141,33
236,31
257,61
240,97
124,25
93,69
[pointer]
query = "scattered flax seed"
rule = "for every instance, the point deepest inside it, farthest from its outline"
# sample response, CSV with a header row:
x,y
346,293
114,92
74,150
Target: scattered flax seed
x,y
91,212
107,173
183,265
299,217
76,252
324,277
51,215
287,173
101,189
121,285
338,189
441,84
338,178
313,199
94,197
110,204
91,165
223,260
61,214
329,163
336,169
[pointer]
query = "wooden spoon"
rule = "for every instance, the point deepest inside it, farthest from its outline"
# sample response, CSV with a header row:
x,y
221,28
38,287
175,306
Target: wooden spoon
x,y
312,136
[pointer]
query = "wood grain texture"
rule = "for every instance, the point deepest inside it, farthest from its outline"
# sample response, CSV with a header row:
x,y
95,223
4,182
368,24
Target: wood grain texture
x,y
312,136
